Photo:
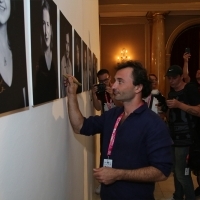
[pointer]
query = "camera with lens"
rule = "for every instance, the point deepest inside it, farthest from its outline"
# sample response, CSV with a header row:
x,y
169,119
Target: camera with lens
x,y
101,87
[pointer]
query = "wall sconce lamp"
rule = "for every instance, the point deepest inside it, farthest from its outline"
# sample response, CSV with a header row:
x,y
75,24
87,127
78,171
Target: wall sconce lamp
x,y
123,57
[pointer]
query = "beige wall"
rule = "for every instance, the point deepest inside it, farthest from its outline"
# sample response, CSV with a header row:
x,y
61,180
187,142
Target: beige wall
x,y
128,33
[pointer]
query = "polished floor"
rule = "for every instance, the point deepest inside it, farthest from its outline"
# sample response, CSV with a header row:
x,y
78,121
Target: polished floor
x,y
163,190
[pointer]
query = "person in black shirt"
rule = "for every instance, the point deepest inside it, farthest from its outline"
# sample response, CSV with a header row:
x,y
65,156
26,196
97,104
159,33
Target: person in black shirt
x,y
184,108
186,57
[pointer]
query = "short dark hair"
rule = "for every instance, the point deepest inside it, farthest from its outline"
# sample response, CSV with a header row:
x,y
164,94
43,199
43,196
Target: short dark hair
x,y
103,71
139,74
153,75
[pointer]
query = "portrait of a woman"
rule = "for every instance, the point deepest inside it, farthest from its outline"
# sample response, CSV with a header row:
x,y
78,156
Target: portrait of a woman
x,y
46,74
13,75
77,59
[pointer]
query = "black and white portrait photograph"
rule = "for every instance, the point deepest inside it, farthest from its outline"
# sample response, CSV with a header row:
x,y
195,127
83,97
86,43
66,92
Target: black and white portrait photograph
x,y
90,69
85,68
66,66
13,72
94,68
77,59
44,50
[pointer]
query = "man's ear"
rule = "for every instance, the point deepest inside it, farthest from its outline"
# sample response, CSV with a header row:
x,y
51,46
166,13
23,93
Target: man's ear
x,y
138,88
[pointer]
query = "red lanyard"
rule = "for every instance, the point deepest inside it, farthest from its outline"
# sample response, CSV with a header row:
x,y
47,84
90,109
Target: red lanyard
x,y
107,102
112,139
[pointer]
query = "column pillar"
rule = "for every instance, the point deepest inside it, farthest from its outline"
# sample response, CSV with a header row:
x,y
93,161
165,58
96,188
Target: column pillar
x,y
158,49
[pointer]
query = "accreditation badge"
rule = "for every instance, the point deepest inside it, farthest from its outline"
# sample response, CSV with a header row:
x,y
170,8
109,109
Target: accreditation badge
x,y
107,163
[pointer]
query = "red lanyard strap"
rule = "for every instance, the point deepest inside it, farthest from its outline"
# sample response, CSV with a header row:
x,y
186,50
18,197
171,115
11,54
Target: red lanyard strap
x,y
112,139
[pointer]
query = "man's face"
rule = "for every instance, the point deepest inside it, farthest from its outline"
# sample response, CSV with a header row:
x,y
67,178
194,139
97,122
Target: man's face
x,y
67,46
174,81
154,81
104,78
124,90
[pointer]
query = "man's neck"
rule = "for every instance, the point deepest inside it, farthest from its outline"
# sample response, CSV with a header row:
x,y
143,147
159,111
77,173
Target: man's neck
x,y
130,107
180,86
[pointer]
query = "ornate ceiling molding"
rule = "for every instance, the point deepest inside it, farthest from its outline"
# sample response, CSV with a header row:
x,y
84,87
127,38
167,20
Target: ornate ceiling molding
x,y
118,10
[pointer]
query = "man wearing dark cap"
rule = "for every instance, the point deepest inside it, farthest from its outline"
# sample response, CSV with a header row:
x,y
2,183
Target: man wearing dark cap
x,y
174,70
184,108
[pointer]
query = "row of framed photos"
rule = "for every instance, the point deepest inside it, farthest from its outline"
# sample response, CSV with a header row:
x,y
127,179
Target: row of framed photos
x,y
76,58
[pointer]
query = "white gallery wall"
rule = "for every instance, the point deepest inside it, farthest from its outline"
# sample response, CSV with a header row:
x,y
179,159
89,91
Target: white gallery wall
x,y
40,156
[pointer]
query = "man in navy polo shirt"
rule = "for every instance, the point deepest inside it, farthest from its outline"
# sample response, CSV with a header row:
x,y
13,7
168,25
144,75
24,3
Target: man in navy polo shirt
x,y
136,146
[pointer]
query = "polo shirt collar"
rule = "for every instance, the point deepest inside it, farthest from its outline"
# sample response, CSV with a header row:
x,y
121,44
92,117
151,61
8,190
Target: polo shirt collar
x,y
139,110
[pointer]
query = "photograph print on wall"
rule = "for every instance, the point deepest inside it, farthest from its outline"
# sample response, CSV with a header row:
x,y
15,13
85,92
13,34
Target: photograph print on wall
x,y
13,72
66,66
90,69
85,68
44,50
94,68
77,59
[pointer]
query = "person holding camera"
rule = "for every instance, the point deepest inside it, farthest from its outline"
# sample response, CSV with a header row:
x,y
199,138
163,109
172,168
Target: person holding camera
x,y
186,57
136,146
184,109
102,93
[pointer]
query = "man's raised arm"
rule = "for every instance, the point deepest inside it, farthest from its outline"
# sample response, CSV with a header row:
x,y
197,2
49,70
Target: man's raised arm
x,y
75,115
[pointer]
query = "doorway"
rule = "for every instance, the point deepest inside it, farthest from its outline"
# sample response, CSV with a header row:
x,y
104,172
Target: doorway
x,y
188,38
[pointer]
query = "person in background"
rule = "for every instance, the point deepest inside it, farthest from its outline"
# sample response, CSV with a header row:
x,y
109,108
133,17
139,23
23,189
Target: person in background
x,y
184,108
102,95
186,57
156,101
136,146
46,88
198,79
66,66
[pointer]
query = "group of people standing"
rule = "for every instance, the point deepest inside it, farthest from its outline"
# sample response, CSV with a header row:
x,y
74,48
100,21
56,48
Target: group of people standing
x,y
137,146
183,121
183,103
